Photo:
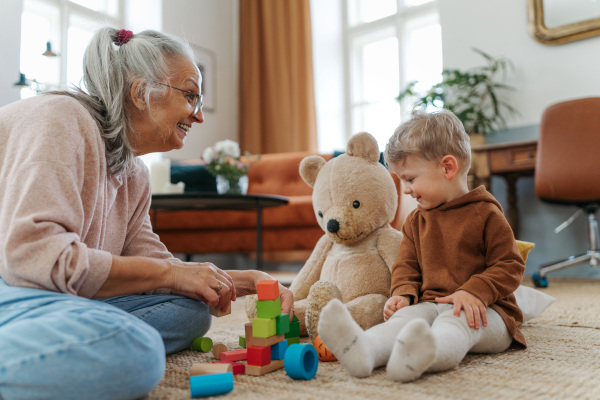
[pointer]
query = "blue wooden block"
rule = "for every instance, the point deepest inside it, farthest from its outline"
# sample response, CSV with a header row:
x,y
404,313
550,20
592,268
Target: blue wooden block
x,y
211,384
278,350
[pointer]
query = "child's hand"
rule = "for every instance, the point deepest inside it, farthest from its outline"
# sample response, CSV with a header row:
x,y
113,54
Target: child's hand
x,y
394,303
474,308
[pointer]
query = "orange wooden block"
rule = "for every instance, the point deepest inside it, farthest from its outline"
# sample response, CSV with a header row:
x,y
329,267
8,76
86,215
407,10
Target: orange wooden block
x,y
220,313
218,349
234,355
265,369
267,290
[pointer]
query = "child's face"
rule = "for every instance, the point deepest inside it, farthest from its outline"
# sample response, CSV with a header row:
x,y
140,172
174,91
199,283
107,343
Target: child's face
x,y
424,180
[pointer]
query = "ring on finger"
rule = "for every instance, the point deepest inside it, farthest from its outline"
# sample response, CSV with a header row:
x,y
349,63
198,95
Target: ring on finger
x,y
219,287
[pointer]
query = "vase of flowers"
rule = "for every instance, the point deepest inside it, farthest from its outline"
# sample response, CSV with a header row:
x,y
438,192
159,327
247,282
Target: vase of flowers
x,y
225,161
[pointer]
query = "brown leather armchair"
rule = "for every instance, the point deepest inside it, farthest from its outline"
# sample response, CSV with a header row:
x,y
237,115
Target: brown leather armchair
x,y
567,171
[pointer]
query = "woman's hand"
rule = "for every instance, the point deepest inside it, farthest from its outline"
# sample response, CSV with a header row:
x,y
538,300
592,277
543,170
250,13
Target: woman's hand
x,y
246,281
202,281
393,304
474,308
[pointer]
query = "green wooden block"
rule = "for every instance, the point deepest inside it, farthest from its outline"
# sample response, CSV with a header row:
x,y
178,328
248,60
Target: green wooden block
x,y
282,323
294,329
268,308
242,342
203,344
263,327
294,318
293,340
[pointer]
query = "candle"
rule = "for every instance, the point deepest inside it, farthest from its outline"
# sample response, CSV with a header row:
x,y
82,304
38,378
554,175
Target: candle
x,y
160,175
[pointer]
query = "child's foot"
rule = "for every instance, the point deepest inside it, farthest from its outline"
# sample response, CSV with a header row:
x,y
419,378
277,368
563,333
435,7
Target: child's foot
x,y
413,352
346,340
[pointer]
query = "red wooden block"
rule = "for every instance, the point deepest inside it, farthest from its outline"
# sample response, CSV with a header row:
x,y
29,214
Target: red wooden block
x,y
259,356
234,355
267,290
238,368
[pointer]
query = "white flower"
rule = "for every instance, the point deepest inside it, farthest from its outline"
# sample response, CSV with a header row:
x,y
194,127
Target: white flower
x,y
228,148
208,155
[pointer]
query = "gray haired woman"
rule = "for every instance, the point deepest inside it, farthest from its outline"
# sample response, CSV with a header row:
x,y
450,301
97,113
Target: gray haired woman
x,y
90,299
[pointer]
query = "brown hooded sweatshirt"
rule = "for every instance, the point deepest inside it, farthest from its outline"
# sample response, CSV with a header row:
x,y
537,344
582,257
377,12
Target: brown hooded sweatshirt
x,y
465,244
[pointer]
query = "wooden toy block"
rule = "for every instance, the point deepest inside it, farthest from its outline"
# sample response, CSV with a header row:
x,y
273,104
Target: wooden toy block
x,y
248,330
204,368
218,348
294,330
293,340
203,344
263,327
211,385
268,308
238,368
220,313
282,324
264,342
259,355
265,369
278,350
233,355
242,340
267,290
301,361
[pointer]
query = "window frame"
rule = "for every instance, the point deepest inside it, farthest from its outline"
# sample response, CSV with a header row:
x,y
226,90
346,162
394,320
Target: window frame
x,y
66,11
356,33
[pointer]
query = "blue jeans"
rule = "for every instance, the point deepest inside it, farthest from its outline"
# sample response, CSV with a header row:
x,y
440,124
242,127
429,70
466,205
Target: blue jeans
x,y
59,346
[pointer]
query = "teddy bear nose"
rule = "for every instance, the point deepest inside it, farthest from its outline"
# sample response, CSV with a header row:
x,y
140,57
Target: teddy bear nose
x,y
333,226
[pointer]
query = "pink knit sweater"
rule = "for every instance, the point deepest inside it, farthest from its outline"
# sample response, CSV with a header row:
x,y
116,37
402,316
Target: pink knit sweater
x,y
62,216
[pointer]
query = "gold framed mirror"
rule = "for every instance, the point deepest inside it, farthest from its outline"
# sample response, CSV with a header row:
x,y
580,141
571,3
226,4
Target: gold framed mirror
x,y
563,21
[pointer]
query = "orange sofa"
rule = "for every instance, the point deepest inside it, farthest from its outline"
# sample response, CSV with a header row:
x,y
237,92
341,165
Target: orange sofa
x,y
290,227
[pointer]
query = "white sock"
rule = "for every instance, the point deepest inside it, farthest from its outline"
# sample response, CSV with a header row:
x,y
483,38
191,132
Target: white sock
x,y
346,339
413,352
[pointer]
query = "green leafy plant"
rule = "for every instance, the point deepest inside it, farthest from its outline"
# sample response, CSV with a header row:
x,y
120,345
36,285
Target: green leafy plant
x,y
474,95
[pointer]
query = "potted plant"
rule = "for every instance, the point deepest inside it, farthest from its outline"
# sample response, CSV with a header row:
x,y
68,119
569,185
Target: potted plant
x,y
474,95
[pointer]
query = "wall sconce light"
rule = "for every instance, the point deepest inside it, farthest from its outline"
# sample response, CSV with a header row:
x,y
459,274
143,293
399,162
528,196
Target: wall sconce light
x,y
22,81
49,52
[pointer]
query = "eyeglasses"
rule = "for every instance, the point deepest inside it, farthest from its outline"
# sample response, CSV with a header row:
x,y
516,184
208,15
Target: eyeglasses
x,y
194,99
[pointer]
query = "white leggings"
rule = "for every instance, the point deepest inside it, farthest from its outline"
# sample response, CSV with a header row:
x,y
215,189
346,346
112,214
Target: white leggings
x,y
454,338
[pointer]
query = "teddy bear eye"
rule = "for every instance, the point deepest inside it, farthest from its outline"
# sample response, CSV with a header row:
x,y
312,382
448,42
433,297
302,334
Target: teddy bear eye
x,y
320,214
356,204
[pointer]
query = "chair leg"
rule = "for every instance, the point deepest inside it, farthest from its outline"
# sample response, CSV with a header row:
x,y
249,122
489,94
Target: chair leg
x,y
592,255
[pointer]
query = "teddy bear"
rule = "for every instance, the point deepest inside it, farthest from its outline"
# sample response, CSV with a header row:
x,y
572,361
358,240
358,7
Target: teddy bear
x,y
354,200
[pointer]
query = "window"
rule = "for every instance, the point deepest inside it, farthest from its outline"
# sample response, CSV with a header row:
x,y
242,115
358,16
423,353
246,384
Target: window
x,y
390,43
65,28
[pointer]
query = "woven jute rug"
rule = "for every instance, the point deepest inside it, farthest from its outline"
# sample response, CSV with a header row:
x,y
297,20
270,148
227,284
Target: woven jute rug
x,y
561,362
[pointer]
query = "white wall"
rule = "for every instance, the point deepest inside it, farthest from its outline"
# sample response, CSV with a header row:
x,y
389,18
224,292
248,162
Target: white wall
x,y
211,24
10,30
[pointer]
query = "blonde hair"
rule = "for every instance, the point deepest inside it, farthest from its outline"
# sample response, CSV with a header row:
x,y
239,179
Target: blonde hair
x,y
430,136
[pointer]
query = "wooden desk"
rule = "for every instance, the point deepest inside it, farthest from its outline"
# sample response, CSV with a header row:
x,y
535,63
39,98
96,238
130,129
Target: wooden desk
x,y
510,160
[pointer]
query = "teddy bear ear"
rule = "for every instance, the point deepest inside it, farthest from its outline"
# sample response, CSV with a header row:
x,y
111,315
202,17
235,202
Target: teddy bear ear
x,y
363,145
309,169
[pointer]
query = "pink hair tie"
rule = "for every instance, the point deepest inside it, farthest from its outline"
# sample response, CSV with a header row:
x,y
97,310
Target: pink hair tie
x,y
123,37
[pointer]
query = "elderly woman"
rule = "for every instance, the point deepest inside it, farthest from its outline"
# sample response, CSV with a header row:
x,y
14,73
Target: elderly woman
x,y
90,299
